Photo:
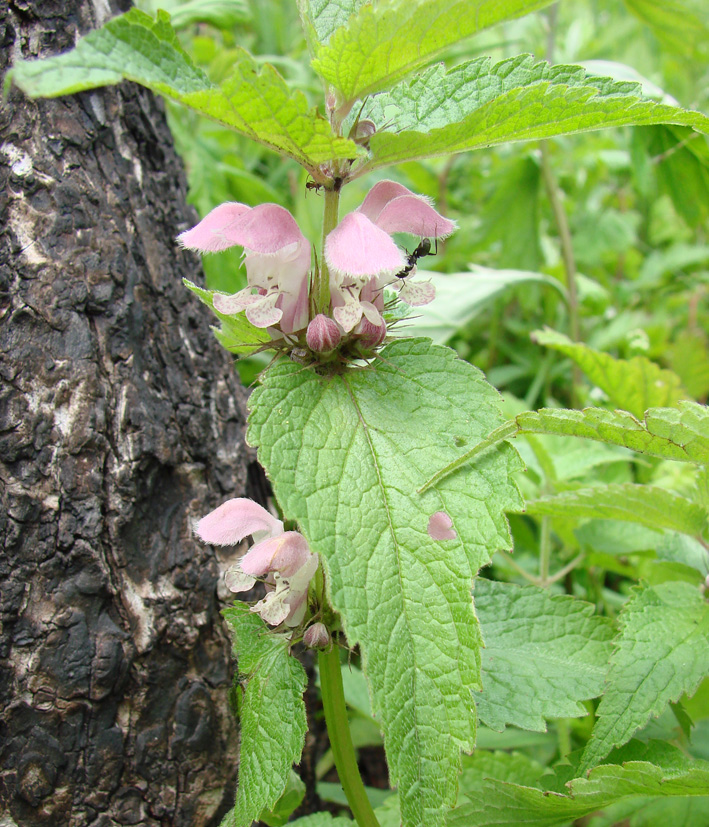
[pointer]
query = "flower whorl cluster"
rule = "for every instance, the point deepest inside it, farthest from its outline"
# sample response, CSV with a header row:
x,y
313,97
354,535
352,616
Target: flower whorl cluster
x,y
281,558
361,256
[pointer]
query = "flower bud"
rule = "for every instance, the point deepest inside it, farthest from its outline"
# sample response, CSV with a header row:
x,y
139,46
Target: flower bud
x,y
370,335
316,636
323,334
363,131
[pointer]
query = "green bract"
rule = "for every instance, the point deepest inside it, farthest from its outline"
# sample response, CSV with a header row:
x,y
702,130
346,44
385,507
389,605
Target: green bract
x,y
345,455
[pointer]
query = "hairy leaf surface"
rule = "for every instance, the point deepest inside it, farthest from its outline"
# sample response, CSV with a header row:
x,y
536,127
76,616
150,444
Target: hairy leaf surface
x,y
254,102
680,433
477,104
273,723
543,655
662,652
645,504
346,455
386,41
633,385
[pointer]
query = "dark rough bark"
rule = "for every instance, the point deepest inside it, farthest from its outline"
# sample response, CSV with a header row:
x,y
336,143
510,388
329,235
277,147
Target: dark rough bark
x,y
120,422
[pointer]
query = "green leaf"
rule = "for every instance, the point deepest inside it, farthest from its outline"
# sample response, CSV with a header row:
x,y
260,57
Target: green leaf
x,y
273,723
478,105
345,455
633,385
683,25
236,333
223,14
543,655
384,42
322,820
290,799
324,17
256,103
460,297
662,652
680,433
494,800
645,504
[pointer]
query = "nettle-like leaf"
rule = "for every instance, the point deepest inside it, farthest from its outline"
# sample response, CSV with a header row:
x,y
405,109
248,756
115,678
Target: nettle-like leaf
x,y
345,455
543,655
645,504
236,333
642,774
273,723
680,433
384,42
253,101
662,652
321,18
477,104
633,385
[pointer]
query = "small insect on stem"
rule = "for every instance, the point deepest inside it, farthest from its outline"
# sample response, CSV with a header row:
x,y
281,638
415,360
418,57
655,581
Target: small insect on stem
x,y
423,249
313,185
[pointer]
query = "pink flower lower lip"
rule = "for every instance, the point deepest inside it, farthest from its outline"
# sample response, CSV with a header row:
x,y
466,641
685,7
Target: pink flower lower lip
x,y
283,555
360,253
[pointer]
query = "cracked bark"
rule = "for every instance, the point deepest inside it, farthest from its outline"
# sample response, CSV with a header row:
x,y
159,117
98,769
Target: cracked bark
x,y
121,421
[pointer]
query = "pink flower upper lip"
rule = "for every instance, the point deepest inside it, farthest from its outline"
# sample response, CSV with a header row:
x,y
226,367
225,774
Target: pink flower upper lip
x,y
360,252
282,556
277,258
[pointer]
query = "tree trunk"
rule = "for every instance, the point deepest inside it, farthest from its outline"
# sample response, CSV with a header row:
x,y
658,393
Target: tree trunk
x,y
121,421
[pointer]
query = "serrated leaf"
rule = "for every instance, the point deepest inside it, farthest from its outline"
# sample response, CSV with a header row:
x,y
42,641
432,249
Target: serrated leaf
x,y
495,801
386,41
645,504
543,655
273,723
324,17
236,333
345,455
254,102
680,433
633,385
662,652
478,105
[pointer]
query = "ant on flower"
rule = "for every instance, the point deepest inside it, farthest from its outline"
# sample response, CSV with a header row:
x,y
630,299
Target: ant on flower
x,y
423,250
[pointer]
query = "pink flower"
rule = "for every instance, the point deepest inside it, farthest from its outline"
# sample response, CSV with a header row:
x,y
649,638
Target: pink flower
x,y
283,557
277,259
360,250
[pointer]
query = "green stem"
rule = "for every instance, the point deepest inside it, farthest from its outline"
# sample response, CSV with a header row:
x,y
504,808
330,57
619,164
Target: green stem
x,y
322,291
544,551
338,730
567,255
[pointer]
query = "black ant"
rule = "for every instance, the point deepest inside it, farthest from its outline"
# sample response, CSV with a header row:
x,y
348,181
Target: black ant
x,y
424,249
313,185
